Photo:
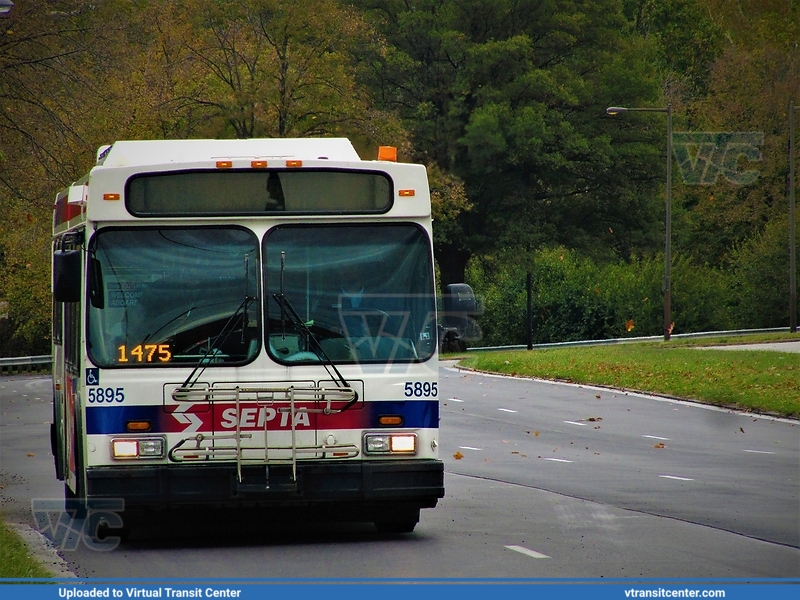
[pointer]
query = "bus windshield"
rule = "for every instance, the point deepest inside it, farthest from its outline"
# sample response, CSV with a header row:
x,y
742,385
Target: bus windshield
x,y
173,296
363,293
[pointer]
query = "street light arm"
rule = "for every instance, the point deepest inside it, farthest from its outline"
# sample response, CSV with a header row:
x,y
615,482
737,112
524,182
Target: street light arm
x,y
616,110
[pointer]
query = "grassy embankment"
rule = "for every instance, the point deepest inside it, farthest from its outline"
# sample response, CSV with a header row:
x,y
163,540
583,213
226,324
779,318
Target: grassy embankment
x,y
15,560
761,381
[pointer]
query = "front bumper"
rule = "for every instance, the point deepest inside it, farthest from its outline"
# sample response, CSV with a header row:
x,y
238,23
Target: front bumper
x,y
417,483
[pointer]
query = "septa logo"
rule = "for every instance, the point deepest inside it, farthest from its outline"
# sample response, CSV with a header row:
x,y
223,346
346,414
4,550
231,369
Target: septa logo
x,y
258,416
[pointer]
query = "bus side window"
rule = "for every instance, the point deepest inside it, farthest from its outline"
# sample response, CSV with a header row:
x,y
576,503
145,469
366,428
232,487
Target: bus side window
x,y
67,275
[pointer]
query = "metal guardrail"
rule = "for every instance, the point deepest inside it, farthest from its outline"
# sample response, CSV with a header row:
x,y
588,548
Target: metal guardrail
x,y
25,364
652,338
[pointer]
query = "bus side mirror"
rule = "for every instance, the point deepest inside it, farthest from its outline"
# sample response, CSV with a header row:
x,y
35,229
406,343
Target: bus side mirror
x,y
67,275
458,303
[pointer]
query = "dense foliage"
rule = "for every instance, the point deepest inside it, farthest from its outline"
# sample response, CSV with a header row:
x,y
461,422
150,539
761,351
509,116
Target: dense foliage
x,y
504,100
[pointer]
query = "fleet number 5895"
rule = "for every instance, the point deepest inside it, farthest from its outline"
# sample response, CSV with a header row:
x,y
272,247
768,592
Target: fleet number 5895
x,y
421,389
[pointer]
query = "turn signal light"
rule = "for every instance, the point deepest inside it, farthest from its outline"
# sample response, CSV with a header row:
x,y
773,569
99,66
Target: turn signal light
x,y
138,426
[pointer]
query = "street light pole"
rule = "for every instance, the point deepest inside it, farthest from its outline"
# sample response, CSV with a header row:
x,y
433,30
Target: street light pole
x,y
667,287
792,250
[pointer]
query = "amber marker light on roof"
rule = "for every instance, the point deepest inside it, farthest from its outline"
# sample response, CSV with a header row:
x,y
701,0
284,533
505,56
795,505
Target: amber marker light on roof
x,y
405,193
294,163
111,196
224,164
388,153
258,164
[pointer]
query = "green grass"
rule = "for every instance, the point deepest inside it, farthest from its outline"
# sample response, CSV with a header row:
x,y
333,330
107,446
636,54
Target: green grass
x,y
761,381
15,560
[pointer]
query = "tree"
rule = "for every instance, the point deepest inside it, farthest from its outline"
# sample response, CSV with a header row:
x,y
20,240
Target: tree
x,y
749,88
509,96
272,68
42,48
688,39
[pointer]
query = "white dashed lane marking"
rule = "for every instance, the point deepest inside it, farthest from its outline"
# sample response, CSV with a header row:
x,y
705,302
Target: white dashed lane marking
x,y
508,410
564,460
655,437
575,423
675,477
758,451
527,552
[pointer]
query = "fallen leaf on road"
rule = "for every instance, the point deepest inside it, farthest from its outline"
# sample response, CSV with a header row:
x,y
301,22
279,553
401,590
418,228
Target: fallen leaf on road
x,y
659,445
458,456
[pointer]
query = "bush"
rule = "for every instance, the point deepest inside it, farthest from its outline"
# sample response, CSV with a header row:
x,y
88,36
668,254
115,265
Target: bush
x,y
575,299
760,290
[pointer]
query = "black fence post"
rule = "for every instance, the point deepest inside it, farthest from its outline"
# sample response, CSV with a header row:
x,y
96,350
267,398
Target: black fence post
x,y
529,313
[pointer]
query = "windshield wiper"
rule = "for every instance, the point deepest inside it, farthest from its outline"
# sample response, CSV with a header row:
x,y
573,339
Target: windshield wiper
x,y
212,346
287,309
317,348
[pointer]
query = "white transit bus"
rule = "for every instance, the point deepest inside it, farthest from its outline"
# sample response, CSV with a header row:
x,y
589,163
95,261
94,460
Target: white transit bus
x,y
247,323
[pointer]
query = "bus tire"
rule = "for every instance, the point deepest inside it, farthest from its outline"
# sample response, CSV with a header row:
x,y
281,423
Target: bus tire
x,y
397,519
395,526
105,530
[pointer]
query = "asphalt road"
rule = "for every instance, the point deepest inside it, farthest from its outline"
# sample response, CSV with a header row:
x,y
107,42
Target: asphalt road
x,y
732,471
542,480
776,346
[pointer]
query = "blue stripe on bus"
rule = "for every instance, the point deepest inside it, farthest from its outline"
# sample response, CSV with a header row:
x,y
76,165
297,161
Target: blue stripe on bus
x,y
112,419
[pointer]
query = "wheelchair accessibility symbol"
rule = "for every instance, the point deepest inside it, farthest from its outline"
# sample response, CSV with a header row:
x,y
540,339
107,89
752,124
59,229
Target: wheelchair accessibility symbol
x,y
93,376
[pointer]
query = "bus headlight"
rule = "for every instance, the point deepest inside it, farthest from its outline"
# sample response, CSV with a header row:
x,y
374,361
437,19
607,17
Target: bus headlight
x,y
390,443
137,448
